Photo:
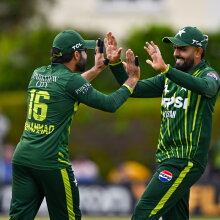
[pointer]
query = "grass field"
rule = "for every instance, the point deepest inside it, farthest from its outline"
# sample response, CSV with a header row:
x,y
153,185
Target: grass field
x,y
116,218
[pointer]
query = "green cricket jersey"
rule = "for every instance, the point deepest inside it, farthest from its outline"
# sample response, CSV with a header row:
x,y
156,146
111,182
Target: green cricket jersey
x,y
187,107
54,93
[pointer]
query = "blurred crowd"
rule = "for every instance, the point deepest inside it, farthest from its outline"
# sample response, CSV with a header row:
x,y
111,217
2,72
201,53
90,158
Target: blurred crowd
x,y
6,151
87,171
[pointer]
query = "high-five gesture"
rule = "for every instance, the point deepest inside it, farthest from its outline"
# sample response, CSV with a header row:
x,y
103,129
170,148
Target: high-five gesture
x,y
113,53
132,68
157,61
99,65
99,56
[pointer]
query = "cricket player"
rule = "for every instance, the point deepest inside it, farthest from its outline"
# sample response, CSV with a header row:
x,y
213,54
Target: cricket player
x,y
41,166
189,91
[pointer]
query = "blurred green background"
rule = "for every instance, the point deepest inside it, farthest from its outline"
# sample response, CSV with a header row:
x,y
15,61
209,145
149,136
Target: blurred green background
x,y
113,218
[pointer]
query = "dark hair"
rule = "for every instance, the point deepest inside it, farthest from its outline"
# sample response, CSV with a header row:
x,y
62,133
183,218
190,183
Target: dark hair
x,y
55,58
203,54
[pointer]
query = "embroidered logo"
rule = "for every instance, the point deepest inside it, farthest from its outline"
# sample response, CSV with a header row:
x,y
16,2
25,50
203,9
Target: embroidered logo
x,y
83,89
76,46
165,176
166,89
213,75
196,42
182,31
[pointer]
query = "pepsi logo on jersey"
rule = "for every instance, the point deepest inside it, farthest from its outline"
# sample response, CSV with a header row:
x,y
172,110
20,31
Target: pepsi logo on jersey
x,y
165,176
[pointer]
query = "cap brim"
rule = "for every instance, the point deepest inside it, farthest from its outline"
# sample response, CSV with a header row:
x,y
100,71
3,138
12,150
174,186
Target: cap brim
x,y
175,41
90,44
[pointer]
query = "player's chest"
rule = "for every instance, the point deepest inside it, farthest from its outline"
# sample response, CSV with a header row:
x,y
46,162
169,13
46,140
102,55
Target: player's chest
x,y
175,96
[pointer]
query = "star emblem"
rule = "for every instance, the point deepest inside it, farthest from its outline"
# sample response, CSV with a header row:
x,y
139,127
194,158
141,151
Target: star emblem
x,y
166,90
181,32
183,89
75,181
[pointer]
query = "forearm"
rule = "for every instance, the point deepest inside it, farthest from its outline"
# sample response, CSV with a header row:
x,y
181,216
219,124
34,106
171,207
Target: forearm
x,y
119,72
147,88
85,93
113,101
203,86
91,74
108,103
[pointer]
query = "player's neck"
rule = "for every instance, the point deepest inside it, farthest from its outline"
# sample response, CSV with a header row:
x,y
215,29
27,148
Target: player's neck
x,y
70,65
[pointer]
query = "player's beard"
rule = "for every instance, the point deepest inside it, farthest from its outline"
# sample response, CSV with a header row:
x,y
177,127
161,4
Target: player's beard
x,y
186,64
81,65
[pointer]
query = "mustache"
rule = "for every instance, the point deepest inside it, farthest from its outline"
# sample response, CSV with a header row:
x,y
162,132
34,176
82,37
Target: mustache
x,y
179,57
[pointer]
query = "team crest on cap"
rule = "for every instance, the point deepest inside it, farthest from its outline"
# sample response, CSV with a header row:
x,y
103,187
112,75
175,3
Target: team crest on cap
x,y
182,31
165,176
213,75
196,42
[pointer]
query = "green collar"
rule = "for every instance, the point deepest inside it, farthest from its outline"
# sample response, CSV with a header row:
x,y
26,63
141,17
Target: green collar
x,y
200,66
60,66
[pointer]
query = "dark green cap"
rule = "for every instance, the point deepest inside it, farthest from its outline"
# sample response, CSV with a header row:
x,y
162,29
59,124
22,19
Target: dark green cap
x,y
69,41
188,36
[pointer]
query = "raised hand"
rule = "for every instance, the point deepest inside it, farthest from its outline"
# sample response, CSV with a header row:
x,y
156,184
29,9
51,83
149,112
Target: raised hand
x,y
157,61
132,69
99,65
113,53
99,56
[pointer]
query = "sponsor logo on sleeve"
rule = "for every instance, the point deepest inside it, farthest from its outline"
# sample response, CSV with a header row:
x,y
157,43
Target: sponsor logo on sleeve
x,y
165,176
83,89
213,75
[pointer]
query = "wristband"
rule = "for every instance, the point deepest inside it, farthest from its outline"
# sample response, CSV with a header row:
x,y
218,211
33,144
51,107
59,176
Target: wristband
x,y
166,70
129,88
114,64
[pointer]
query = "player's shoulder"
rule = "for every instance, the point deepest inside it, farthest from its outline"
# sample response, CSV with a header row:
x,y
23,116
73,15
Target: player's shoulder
x,y
43,68
63,72
76,78
54,69
210,71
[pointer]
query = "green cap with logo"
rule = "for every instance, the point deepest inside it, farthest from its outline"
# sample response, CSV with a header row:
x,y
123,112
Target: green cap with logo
x,y
188,36
69,40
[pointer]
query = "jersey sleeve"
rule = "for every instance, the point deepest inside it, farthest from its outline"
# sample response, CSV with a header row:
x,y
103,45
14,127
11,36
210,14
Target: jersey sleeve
x,y
119,73
150,88
207,85
81,90
146,88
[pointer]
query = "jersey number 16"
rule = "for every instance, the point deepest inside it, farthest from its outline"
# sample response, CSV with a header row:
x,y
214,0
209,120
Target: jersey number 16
x,y
37,109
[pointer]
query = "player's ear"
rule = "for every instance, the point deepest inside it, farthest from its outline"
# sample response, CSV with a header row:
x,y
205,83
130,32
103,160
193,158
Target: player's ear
x,y
76,55
199,52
